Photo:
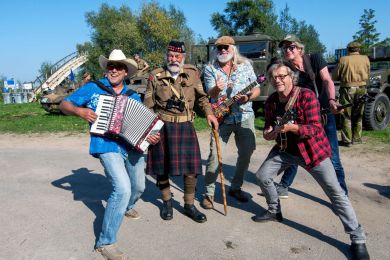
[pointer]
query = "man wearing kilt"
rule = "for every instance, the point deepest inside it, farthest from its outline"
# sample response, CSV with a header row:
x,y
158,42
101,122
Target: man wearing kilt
x,y
171,93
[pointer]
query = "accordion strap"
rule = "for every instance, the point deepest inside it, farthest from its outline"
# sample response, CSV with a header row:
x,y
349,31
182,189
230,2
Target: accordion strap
x,y
110,90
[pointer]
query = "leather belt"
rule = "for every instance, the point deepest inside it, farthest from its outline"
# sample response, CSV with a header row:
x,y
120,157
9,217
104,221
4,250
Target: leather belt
x,y
175,119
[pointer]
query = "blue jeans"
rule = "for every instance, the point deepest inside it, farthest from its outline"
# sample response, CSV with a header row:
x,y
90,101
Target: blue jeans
x,y
325,176
127,176
331,133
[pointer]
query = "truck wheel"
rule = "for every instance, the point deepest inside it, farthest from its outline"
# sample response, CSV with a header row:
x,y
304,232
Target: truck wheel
x,y
377,113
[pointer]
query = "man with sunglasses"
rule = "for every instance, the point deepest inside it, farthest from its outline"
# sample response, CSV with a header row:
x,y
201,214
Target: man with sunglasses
x,y
313,74
123,166
228,74
307,146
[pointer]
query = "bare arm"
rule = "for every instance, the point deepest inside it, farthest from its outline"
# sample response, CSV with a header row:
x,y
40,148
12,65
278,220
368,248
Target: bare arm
x,y
330,89
85,113
146,67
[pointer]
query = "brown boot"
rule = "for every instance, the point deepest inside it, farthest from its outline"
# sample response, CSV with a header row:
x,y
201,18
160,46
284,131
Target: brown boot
x,y
207,202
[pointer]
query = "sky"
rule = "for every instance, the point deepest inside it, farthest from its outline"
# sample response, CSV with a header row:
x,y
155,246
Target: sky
x,y
37,31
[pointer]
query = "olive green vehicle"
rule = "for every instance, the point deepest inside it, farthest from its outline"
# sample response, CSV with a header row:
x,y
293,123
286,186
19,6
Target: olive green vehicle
x,y
51,99
376,111
257,47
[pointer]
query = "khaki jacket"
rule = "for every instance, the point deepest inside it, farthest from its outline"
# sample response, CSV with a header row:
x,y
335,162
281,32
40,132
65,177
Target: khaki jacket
x,y
353,70
187,84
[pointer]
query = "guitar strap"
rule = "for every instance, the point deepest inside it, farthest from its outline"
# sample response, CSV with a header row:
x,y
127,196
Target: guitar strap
x,y
129,92
292,99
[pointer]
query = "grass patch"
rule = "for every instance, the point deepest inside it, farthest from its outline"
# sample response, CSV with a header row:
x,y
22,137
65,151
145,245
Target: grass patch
x,y
31,118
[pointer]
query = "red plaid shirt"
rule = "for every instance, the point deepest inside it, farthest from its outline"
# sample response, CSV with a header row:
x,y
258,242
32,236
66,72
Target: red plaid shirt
x,y
312,141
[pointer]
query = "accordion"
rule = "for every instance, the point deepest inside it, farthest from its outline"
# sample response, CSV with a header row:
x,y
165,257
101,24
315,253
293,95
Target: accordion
x,y
126,118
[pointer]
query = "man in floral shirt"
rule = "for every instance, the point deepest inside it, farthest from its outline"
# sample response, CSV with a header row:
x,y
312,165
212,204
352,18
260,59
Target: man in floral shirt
x,y
228,75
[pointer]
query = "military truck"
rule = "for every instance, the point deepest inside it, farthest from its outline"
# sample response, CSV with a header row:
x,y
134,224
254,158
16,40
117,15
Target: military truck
x,y
376,112
259,48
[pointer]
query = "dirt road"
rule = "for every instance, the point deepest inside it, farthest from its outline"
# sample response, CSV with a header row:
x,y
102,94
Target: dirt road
x,y
53,195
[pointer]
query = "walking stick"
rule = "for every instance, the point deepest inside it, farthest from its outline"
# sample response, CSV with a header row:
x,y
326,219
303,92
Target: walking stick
x,y
220,170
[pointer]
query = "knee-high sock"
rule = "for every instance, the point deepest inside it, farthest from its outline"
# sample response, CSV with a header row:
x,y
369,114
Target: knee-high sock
x,y
189,189
164,186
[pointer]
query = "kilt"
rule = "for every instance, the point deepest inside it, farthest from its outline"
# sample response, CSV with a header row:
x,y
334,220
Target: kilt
x,y
177,153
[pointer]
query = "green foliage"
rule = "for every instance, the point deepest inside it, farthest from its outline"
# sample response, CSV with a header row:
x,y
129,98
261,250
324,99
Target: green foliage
x,y
147,32
243,17
367,35
306,33
46,69
384,43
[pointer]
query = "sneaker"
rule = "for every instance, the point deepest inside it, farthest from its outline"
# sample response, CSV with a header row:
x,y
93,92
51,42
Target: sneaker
x,y
111,252
282,191
133,214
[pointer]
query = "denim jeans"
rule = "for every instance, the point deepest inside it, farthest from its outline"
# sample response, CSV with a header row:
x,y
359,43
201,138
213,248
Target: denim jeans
x,y
127,176
331,133
244,136
325,176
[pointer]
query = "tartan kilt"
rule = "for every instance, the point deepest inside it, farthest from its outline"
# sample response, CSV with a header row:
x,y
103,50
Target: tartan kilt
x,y
177,153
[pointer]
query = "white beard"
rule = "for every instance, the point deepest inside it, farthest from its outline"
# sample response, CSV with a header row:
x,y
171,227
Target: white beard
x,y
175,68
223,58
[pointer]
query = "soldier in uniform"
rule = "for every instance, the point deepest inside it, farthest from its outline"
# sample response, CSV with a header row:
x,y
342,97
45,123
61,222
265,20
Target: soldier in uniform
x,y
352,71
142,65
171,93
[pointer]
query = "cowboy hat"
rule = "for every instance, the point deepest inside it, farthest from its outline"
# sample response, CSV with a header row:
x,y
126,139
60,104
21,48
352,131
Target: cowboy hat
x,y
117,56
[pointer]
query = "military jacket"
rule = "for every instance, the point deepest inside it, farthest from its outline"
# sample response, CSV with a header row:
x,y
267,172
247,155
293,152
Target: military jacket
x,y
353,70
187,84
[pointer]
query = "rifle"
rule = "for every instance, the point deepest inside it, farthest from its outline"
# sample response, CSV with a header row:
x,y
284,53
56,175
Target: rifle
x,y
361,100
222,107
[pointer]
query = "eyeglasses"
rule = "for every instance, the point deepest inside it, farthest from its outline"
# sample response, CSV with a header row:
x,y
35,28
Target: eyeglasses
x,y
117,66
223,47
290,48
281,77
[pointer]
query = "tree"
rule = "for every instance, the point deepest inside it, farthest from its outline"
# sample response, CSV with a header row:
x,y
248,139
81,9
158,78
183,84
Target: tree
x,y
147,32
46,69
249,16
367,35
306,33
245,17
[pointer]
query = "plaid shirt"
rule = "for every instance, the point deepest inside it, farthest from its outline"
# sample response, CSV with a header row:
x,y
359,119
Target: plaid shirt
x,y
312,142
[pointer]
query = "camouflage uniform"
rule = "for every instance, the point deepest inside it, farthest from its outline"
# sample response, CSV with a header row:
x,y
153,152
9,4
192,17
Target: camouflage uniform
x,y
352,71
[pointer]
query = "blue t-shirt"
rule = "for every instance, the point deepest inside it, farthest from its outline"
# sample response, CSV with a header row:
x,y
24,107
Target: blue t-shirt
x,y
88,96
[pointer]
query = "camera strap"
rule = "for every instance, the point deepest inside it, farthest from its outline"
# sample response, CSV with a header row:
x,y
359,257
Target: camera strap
x,y
167,82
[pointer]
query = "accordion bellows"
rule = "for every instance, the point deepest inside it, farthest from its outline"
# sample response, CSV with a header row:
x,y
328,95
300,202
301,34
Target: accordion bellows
x,y
126,118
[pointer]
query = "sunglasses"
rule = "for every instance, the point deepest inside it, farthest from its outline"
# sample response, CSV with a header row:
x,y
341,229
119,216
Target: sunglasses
x,y
223,47
117,66
290,48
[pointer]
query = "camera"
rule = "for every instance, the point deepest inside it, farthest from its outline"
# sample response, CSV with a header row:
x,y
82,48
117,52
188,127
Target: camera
x,y
178,104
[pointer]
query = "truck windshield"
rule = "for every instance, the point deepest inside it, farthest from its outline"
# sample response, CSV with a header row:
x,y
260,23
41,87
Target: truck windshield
x,y
253,50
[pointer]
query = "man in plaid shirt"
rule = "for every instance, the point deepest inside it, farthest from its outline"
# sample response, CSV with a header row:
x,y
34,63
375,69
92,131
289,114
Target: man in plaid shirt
x,y
307,145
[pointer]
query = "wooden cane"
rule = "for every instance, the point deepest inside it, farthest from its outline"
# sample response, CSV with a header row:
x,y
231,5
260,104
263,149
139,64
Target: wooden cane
x,y
220,170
